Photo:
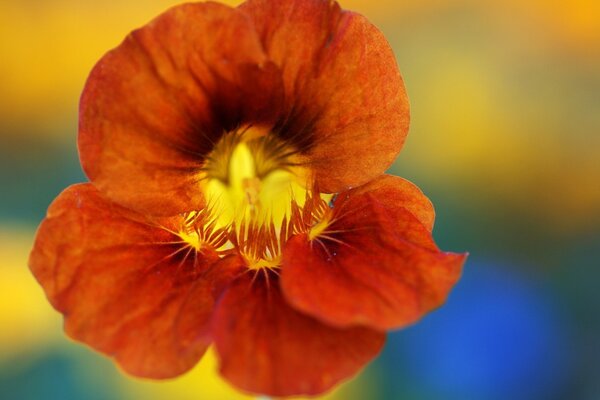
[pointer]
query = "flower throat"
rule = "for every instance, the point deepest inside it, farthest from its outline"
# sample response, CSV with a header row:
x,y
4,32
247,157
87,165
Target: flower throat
x,y
258,192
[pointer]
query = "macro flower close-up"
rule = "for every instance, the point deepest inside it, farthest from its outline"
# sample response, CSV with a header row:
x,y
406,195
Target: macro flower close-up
x,y
238,198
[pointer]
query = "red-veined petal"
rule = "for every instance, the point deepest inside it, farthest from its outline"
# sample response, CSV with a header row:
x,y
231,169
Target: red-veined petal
x,y
127,287
399,195
346,106
375,265
154,107
267,347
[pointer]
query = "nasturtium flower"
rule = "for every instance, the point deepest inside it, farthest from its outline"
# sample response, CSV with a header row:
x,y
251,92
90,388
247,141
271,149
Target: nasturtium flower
x,y
237,198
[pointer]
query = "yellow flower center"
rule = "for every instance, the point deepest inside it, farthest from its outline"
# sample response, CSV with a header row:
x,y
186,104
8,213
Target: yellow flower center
x,y
253,177
257,190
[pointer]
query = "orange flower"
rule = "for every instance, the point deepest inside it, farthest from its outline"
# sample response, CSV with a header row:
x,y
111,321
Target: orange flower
x,y
237,199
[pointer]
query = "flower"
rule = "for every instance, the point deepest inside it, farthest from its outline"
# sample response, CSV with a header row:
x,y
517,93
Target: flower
x,y
237,198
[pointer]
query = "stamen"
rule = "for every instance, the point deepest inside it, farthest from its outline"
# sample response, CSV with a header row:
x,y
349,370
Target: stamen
x,y
259,245
260,196
199,231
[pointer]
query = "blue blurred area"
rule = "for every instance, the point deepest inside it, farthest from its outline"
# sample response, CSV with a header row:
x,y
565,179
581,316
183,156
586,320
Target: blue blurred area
x,y
54,375
500,336
35,169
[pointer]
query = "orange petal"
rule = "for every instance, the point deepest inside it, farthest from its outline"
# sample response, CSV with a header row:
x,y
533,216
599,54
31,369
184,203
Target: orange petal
x,y
346,105
126,287
375,265
269,348
398,195
154,106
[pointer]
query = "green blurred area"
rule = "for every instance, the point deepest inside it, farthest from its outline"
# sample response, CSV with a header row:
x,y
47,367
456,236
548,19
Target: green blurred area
x,y
504,138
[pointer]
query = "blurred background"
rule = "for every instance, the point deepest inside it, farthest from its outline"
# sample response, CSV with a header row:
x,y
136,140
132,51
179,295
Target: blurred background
x,y
505,139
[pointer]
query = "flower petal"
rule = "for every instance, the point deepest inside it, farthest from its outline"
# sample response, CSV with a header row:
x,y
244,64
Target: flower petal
x,y
398,195
126,287
344,93
154,107
375,265
269,348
